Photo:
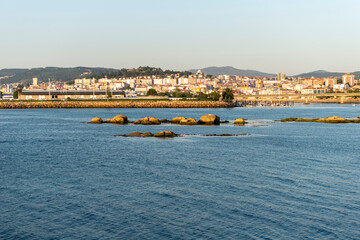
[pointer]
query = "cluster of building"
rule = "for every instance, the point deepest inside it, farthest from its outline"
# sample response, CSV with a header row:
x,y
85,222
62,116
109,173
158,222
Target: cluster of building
x,y
87,88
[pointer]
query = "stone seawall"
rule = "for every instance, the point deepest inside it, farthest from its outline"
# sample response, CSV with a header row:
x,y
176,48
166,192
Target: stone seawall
x,y
114,104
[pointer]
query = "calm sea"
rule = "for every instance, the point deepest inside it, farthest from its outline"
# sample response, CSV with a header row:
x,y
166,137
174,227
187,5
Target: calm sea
x,y
63,179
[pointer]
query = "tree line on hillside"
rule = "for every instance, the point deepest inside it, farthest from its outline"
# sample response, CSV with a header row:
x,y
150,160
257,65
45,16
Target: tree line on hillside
x,y
52,73
141,72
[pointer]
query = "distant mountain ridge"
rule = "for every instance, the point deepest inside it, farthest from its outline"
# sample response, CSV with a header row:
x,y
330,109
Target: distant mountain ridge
x,y
240,72
25,75
324,74
54,73
232,71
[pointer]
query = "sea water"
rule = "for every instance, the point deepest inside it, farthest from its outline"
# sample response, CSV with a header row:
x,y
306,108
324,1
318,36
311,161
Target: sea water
x,y
61,178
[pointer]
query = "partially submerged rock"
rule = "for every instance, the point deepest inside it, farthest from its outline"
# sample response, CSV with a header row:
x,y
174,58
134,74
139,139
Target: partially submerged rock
x,y
334,119
306,120
165,134
210,119
288,120
164,121
177,119
225,135
148,121
140,134
239,121
119,119
189,121
96,120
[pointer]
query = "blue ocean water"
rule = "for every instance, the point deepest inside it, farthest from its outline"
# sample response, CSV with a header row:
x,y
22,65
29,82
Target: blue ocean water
x,y
64,179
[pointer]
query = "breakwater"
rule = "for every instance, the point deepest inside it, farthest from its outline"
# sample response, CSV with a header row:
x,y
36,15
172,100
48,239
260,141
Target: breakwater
x,y
114,104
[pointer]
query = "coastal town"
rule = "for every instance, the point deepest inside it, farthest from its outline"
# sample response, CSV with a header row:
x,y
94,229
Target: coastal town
x,y
178,86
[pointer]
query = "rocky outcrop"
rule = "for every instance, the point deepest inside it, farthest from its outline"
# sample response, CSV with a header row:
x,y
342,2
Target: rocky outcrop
x,y
148,121
210,119
334,119
140,134
239,121
119,119
96,120
288,120
164,121
165,134
189,121
177,119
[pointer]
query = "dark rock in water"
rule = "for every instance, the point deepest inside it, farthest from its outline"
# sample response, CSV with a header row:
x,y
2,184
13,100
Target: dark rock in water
x,y
306,120
210,119
226,121
288,120
165,134
225,135
355,120
165,121
140,134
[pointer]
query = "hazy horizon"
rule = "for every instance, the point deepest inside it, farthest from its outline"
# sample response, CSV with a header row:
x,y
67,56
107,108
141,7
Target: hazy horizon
x,y
269,36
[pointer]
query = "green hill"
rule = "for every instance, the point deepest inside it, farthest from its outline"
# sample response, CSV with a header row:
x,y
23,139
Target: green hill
x,y
324,74
54,73
215,71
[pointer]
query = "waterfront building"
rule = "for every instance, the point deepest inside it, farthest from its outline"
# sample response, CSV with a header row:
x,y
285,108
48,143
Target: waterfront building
x,y
64,94
312,90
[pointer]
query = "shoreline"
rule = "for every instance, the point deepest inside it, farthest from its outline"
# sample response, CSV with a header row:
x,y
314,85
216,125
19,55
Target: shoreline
x,y
146,104
114,104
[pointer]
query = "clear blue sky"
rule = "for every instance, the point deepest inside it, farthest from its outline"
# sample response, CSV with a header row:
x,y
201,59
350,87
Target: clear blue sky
x,y
267,35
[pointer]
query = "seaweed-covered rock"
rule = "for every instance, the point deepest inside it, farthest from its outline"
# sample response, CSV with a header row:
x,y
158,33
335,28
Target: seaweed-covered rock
x,y
306,120
210,119
140,134
334,119
288,120
164,121
96,120
165,134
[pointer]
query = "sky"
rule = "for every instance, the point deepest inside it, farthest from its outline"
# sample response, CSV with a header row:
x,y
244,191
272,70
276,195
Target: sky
x,y
291,36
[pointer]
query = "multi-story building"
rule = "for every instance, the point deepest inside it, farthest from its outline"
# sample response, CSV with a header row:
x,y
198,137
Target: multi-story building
x,y
348,78
281,76
330,82
313,81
